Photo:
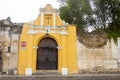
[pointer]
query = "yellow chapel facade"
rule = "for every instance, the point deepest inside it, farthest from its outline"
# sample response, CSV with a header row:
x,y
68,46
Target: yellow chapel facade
x,y
47,44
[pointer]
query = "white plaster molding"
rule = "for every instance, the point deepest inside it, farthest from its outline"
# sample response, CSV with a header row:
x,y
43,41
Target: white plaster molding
x,y
52,27
35,47
54,23
31,32
64,33
42,18
59,47
36,27
48,12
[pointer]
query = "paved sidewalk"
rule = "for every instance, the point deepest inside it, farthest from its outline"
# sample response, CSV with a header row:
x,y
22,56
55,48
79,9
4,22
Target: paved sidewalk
x,y
60,77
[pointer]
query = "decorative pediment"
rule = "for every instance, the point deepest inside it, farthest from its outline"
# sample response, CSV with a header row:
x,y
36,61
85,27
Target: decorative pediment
x,y
48,8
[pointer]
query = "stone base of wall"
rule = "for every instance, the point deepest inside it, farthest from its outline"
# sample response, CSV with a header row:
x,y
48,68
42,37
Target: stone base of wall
x,y
98,60
9,62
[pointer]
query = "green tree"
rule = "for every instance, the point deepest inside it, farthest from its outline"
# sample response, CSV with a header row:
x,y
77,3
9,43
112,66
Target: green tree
x,y
114,26
64,10
106,16
74,12
102,14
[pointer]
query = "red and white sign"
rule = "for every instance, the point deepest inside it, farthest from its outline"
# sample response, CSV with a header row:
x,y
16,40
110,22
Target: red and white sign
x,y
23,43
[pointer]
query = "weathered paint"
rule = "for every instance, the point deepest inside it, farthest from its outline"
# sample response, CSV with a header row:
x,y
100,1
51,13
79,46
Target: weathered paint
x,y
33,33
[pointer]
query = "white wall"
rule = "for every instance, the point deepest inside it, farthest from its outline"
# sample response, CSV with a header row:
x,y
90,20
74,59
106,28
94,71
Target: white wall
x,y
104,59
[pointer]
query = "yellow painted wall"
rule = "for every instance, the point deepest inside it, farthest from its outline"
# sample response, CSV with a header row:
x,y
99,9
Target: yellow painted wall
x,y
72,57
58,21
65,38
37,21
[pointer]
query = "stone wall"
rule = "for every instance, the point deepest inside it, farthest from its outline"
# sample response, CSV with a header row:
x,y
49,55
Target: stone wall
x,y
14,51
104,59
9,38
9,58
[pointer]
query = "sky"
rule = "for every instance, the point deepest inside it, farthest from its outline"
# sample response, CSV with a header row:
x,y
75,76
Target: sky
x,y
23,10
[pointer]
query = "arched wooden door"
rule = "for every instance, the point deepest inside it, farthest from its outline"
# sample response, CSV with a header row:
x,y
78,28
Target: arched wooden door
x,y
47,54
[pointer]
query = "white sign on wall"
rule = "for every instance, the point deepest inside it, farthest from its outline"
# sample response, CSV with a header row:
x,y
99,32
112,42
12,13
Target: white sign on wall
x,y
28,71
64,71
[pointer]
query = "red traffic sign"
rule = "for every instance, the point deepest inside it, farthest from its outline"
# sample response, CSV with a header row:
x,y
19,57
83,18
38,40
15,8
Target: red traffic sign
x,y
23,43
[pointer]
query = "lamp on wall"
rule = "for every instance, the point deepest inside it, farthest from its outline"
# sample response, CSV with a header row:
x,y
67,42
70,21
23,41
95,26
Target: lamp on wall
x,y
47,31
47,34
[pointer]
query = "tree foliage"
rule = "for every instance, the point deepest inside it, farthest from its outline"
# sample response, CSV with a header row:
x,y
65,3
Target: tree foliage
x,y
107,17
114,26
101,14
64,14
74,12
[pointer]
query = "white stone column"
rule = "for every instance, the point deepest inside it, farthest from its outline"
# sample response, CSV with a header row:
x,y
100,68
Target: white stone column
x,y
114,49
119,49
119,42
54,16
42,18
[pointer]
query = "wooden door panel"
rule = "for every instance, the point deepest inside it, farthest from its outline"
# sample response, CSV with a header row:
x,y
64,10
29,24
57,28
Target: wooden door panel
x,y
47,56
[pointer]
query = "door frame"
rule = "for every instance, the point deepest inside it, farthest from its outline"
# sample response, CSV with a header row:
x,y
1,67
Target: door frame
x,y
39,46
